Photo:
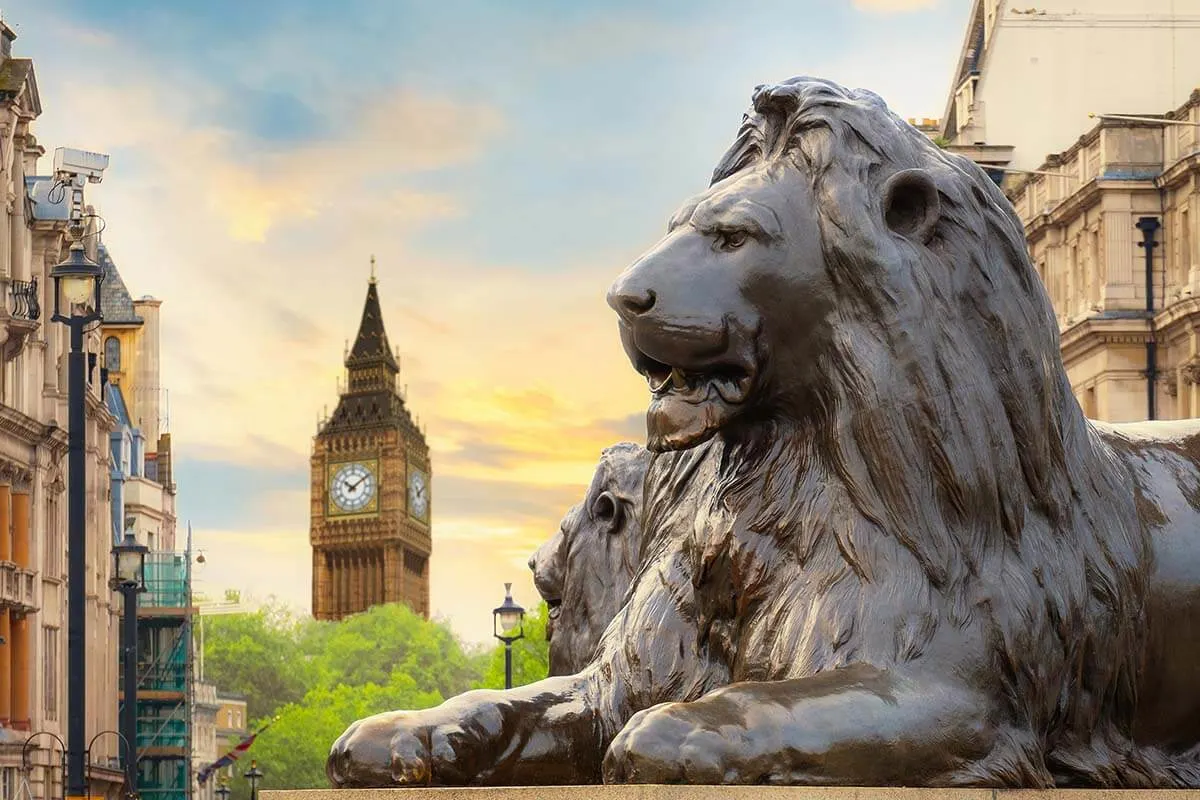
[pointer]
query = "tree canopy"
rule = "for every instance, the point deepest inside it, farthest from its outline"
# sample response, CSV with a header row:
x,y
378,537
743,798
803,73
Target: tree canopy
x,y
315,678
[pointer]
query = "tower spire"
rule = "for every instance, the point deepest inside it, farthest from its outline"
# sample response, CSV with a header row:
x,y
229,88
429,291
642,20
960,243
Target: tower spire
x,y
372,268
371,344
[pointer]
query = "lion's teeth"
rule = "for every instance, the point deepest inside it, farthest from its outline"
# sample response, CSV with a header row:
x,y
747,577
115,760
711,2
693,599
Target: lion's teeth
x,y
659,387
677,379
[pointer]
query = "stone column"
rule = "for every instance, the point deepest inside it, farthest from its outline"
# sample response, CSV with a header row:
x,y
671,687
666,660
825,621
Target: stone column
x,y
356,582
343,568
8,659
377,569
369,578
376,575
20,529
6,553
368,589
335,584
393,581
22,671
21,652
318,564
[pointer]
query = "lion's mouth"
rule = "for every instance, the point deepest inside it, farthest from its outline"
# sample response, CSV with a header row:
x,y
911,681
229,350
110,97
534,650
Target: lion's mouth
x,y
730,383
690,404
553,609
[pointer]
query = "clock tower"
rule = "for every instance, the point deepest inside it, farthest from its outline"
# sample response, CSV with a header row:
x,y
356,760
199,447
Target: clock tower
x,y
370,494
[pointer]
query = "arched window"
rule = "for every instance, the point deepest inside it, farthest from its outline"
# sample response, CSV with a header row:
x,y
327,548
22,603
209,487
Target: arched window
x,y
112,354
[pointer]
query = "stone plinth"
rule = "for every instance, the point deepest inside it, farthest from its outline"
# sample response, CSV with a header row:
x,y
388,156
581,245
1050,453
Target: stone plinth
x,y
725,793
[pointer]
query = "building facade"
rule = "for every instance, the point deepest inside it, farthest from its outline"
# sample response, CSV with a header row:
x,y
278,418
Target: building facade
x,y
1029,74
370,491
232,725
1128,312
142,499
33,475
206,745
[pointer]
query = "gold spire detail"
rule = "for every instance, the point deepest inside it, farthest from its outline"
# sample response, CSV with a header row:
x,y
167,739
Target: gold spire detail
x,y
372,269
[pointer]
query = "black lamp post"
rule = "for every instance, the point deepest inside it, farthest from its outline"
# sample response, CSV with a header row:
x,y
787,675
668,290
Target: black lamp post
x,y
129,561
254,775
505,617
222,791
76,281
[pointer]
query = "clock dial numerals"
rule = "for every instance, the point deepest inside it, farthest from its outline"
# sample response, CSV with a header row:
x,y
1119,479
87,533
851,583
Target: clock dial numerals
x,y
418,494
352,487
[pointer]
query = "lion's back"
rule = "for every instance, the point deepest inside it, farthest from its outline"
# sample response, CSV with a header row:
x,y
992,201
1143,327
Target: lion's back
x,y
1163,459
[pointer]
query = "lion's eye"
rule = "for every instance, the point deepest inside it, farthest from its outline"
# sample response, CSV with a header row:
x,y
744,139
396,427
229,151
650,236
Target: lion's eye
x,y
731,240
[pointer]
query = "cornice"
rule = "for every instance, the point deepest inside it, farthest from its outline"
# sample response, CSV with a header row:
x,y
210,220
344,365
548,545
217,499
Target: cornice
x,y
1090,334
1066,209
1177,172
1079,202
1180,310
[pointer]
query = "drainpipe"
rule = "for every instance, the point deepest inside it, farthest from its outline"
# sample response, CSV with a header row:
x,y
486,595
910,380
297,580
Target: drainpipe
x,y
1149,226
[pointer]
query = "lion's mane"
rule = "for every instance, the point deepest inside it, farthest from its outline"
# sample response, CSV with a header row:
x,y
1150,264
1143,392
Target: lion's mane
x,y
944,463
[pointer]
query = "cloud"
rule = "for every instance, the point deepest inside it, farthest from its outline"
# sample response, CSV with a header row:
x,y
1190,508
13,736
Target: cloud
x,y
895,6
502,172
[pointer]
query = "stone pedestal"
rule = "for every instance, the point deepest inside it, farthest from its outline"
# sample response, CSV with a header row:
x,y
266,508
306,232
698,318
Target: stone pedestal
x,y
725,793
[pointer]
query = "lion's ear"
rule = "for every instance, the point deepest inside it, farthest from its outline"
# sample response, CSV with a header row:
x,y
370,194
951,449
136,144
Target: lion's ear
x,y
910,204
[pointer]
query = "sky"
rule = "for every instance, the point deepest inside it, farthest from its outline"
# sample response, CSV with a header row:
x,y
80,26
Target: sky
x,y
503,161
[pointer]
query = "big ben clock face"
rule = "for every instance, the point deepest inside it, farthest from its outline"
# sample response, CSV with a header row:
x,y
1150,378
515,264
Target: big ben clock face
x,y
353,487
418,494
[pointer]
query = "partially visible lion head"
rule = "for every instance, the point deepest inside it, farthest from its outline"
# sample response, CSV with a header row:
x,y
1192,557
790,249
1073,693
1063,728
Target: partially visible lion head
x,y
850,315
584,571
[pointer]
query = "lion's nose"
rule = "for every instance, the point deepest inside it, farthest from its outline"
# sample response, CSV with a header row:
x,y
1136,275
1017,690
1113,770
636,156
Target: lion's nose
x,y
533,563
630,298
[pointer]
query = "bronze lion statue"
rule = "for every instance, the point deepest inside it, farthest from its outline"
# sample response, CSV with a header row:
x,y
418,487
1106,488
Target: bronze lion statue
x,y
883,544
585,569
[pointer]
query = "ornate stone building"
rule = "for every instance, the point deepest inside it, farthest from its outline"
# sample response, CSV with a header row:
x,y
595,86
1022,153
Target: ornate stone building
x,y
370,497
1028,74
33,506
1129,322
143,495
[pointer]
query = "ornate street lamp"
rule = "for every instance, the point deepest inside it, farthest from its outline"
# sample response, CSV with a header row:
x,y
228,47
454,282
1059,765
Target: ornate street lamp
x,y
505,617
222,791
76,281
129,571
254,775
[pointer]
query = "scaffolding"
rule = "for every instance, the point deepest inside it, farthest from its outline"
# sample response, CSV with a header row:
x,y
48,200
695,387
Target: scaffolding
x,y
165,678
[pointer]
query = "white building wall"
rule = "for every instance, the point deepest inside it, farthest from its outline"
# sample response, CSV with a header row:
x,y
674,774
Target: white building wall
x,y
1041,74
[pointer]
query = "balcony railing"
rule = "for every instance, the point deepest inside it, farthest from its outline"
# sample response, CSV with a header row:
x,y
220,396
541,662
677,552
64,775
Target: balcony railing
x,y
16,587
25,300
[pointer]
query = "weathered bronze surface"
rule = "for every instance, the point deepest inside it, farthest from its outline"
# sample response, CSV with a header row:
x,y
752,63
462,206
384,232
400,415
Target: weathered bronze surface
x,y
586,568
883,545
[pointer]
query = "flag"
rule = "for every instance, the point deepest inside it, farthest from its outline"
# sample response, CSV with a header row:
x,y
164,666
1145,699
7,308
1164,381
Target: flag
x,y
231,756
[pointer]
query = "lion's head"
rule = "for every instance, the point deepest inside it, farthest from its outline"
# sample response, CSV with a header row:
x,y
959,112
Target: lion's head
x,y
831,234
584,571
850,315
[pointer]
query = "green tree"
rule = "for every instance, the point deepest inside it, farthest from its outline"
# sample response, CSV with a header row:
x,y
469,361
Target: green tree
x,y
256,654
293,750
315,678
531,655
367,648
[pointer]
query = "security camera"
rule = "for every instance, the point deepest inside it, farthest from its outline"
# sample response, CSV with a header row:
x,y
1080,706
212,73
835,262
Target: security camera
x,y
80,163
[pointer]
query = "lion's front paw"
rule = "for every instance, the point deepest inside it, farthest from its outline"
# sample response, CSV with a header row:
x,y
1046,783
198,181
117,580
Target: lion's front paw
x,y
402,748
366,755
662,745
